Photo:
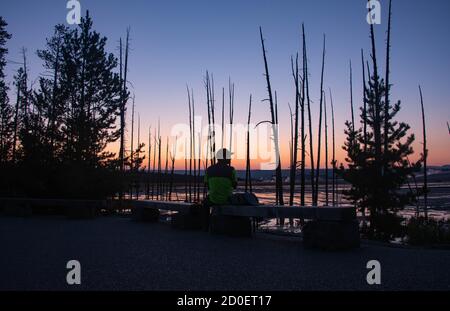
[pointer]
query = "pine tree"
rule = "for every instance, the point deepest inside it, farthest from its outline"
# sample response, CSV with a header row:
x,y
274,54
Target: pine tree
x,y
91,95
6,110
93,98
377,173
49,97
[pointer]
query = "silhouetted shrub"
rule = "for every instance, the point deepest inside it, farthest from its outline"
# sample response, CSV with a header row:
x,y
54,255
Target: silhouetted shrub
x,y
386,227
422,231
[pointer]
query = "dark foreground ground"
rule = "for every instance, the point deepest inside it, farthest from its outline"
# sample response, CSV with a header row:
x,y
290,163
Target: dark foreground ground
x,y
118,254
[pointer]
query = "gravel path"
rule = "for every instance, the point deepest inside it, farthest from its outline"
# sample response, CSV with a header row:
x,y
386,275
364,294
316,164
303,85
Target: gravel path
x,y
118,254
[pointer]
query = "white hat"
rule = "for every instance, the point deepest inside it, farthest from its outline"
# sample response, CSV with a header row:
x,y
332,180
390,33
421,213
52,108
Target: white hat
x,y
223,154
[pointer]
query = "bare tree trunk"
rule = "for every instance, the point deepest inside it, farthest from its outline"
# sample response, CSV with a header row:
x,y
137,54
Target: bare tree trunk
x,y
148,162
132,150
388,87
363,209
365,101
190,146
186,171
122,121
279,180
351,97
333,161
291,144
173,157
199,165
154,179
425,157
193,150
213,117
166,171
248,177
16,125
311,140
155,147
231,94
138,179
303,136
326,152
293,172
319,145
223,117
159,184
208,105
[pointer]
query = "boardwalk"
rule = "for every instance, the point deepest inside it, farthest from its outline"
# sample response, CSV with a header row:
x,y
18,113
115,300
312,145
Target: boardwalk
x,y
117,254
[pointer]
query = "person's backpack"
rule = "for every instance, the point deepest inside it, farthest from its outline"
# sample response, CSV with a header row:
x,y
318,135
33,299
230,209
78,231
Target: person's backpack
x,y
244,198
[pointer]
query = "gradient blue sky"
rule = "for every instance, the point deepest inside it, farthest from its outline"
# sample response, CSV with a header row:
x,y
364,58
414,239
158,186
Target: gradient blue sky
x,y
175,42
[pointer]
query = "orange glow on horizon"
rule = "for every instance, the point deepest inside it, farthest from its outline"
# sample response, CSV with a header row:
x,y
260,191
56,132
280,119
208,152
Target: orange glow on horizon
x,y
437,157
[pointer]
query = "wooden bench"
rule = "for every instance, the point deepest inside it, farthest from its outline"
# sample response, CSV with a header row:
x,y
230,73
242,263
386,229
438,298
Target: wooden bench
x,y
327,228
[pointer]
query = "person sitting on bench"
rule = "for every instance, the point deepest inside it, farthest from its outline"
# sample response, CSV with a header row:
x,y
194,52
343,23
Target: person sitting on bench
x,y
220,180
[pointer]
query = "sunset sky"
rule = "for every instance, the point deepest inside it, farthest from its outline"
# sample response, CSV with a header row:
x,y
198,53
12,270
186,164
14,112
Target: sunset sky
x,y
174,43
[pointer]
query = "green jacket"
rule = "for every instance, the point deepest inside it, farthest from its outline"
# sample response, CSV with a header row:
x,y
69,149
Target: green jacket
x,y
221,180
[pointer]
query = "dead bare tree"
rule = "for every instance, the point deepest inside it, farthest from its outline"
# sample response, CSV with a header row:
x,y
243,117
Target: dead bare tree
x,y
231,104
159,184
193,150
208,106
131,148
308,101
155,147
213,117
326,151
291,141
333,160
351,97
166,171
186,171
16,122
199,165
190,145
425,157
148,162
319,145
223,117
294,140
364,101
138,151
124,98
279,181
387,85
172,169
302,133
248,176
